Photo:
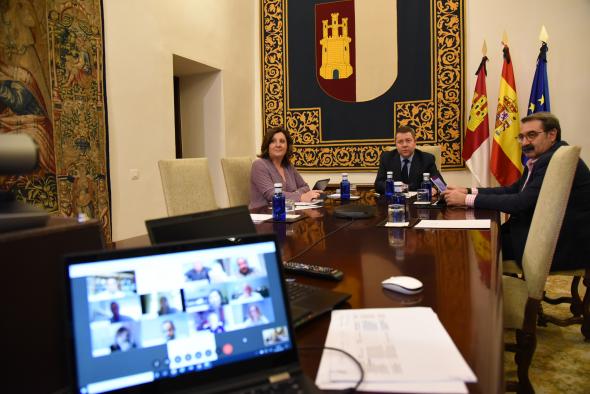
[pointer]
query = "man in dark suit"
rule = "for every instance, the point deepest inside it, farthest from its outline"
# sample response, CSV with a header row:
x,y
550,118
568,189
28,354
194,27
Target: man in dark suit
x,y
540,137
407,163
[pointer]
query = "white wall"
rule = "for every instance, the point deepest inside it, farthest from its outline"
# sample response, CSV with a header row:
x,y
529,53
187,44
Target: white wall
x,y
203,124
141,37
568,56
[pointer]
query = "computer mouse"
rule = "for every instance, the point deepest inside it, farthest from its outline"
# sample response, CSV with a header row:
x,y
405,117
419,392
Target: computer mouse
x,y
403,284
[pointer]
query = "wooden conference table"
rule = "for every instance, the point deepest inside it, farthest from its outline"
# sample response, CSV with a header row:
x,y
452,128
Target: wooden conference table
x,y
459,269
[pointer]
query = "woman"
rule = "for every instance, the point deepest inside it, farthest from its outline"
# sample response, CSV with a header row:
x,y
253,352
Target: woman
x,y
123,340
273,166
255,316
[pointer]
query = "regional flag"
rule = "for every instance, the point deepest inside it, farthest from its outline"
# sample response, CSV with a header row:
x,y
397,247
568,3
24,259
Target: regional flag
x,y
476,147
506,151
539,100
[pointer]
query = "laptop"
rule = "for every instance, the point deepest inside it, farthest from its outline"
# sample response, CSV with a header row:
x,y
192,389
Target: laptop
x,y
306,302
227,222
210,335
321,184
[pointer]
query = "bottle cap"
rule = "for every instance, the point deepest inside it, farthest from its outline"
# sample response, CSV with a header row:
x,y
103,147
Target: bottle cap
x,y
344,174
278,184
389,173
398,183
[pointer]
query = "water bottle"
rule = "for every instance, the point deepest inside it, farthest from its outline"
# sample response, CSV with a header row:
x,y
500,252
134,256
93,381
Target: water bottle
x,y
427,184
397,209
344,188
278,203
389,187
398,195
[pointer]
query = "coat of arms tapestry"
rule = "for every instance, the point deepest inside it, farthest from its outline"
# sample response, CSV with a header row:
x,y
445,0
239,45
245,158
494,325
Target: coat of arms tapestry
x,y
342,76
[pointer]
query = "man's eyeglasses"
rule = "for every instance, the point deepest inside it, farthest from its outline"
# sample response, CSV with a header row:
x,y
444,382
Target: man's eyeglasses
x,y
530,136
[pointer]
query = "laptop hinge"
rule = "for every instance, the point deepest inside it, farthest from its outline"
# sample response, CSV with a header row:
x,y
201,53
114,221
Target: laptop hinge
x,y
279,377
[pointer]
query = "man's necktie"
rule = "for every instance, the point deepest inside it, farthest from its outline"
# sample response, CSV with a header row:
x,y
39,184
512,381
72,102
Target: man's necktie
x,y
405,174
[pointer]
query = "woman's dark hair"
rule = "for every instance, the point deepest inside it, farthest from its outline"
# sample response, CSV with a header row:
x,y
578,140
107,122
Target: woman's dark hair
x,y
267,139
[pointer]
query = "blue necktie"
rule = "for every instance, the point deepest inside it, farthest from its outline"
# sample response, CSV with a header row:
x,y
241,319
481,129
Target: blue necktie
x,y
405,174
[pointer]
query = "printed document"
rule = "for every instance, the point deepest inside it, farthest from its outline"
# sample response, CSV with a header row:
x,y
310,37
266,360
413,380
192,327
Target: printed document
x,y
400,349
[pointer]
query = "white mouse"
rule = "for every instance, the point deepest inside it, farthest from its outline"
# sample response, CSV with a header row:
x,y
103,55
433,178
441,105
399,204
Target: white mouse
x,y
403,284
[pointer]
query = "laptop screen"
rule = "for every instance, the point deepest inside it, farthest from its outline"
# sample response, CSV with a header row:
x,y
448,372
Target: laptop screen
x,y
158,313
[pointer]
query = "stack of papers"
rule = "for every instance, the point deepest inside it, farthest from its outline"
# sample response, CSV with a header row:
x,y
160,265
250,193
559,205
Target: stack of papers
x,y
336,196
261,217
400,349
397,224
306,205
468,223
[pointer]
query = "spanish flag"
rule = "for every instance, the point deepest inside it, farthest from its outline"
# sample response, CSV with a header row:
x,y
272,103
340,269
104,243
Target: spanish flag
x,y
476,146
505,163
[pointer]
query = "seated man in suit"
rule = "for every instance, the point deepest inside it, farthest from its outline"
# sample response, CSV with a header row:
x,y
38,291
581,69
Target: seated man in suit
x,y
407,163
540,137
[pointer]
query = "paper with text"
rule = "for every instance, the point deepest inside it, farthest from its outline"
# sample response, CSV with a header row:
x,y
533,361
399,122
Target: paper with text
x,y
400,349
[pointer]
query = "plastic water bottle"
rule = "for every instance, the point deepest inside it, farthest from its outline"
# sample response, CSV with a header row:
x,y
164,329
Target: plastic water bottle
x,y
344,188
427,184
278,203
389,187
397,209
398,195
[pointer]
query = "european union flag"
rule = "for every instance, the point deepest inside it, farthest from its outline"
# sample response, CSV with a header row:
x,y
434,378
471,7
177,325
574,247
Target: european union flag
x,y
539,100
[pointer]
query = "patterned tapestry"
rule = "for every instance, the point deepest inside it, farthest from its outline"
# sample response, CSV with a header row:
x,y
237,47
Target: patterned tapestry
x,y
342,76
52,88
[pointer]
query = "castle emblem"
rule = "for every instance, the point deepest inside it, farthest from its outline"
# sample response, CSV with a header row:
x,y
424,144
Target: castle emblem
x,y
335,44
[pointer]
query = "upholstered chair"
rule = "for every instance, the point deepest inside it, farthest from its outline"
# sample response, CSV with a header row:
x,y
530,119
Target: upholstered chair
x,y
187,186
523,295
580,308
236,172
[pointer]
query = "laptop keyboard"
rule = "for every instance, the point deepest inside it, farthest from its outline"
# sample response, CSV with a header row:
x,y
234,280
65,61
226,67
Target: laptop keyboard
x,y
291,386
296,290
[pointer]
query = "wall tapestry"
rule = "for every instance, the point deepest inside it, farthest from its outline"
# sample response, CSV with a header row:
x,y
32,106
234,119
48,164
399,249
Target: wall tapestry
x,y
341,76
52,88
